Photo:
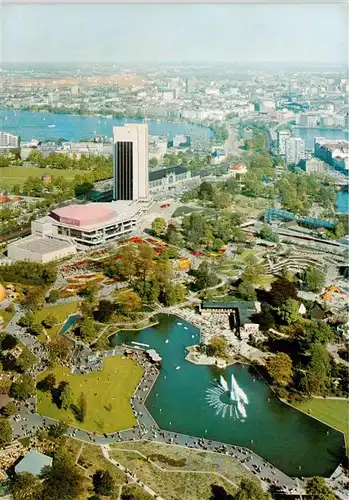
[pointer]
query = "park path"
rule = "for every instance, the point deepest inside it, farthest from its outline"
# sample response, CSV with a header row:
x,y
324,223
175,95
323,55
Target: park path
x,y
132,477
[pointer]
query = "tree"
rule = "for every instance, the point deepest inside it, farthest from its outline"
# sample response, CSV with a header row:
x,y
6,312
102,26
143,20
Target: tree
x,y
316,331
266,233
58,430
250,489
23,388
103,482
144,263
105,311
251,274
36,329
25,486
317,489
59,348
219,493
279,368
53,296
288,311
158,226
218,347
33,299
89,292
5,432
48,383
65,395
64,480
204,277
319,366
205,191
49,321
8,342
87,329
82,407
10,408
247,291
128,302
282,290
222,200
173,293
314,278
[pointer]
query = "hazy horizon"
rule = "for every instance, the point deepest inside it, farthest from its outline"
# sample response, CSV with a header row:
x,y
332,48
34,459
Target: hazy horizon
x,y
175,34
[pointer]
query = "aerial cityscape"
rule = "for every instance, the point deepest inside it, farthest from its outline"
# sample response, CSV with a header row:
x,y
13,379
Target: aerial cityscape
x,y
174,262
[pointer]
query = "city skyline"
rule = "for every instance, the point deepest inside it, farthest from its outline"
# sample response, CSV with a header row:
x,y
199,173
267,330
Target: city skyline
x,y
270,33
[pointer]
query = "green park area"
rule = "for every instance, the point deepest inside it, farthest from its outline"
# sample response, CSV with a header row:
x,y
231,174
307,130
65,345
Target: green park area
x,y
107,394
60,311
18,175
334,412
178,472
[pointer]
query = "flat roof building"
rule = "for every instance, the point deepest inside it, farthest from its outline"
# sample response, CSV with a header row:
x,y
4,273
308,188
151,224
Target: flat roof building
x,y
41,249
33,463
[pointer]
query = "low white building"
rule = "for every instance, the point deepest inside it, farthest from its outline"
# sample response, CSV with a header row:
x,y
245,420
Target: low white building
x,y
41,249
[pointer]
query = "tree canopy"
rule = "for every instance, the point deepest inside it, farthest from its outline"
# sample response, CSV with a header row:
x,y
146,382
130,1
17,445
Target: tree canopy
x,y
279,368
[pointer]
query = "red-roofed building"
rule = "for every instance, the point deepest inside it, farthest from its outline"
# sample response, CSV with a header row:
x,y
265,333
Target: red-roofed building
x,y
238,169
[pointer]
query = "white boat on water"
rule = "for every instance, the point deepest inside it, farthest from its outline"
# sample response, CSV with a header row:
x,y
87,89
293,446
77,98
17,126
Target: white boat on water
x,y
5,118
177,367
179,324
51,126
185,328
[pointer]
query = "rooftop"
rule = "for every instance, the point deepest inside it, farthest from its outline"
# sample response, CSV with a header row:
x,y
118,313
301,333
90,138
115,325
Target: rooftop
x,y
91,216
163,172
41,244
33,463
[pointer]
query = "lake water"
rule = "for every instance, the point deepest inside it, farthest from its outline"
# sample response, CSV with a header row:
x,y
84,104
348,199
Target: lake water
x,y
282,435
343,202
35,125
309,134
70,322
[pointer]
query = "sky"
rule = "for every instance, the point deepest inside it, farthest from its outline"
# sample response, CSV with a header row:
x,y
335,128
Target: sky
x,y
174,33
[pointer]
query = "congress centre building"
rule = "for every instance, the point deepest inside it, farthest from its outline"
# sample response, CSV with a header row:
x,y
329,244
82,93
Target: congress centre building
x,y
93,225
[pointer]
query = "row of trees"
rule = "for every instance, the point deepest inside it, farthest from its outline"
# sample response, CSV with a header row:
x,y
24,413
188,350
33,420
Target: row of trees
x,y
28,273
302,360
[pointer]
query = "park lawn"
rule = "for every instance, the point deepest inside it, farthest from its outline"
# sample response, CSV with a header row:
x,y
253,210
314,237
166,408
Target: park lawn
x,y
334,412
179,481
107,393
18,175
61,312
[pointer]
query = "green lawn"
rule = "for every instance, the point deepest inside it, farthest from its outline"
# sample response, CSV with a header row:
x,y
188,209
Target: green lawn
x,y
18,175
107,394
334,412
60,311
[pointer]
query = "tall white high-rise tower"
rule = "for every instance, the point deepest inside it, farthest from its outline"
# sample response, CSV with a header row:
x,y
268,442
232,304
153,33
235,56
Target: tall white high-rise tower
x,y
130,162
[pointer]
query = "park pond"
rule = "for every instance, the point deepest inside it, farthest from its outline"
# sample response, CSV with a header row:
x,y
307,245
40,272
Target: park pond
x,y
233,405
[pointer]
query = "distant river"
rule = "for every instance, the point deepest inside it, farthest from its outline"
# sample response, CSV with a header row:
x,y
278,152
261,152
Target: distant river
x,y
35,125
308,134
